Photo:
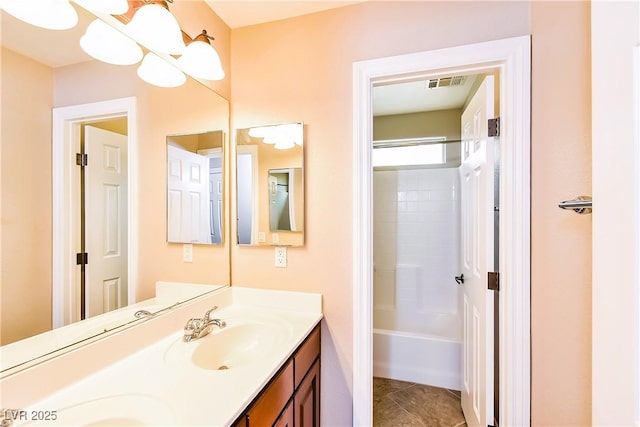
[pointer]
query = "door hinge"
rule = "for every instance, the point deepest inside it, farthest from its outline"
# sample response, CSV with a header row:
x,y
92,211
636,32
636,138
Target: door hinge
x,y
493,281
82,159
494,127
82,258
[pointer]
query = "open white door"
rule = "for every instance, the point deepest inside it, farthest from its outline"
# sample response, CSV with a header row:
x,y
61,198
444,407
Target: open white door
x,y
477,246
187,197
106,220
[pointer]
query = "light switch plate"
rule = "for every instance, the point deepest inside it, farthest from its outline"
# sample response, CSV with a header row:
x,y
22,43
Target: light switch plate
x,y
187,252
281,256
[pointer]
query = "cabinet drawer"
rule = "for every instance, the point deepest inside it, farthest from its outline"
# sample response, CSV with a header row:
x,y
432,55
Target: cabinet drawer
x,y
266,410
306,355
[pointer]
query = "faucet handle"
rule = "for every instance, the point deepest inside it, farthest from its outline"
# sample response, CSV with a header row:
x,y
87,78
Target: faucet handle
x,y
207,315
191,329
192,325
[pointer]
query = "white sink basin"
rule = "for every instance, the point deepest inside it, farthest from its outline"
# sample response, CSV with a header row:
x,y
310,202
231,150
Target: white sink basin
x,y
234,346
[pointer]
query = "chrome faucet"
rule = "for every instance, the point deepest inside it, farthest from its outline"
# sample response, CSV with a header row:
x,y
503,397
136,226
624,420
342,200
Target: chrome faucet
x,y
200,327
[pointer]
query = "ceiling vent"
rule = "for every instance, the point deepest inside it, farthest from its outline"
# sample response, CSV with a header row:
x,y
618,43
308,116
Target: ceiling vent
x,y
446,81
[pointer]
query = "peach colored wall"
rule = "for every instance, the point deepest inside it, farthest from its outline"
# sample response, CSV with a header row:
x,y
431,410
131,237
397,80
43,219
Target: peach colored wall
x,y
25,268
300,69
415,125
561,240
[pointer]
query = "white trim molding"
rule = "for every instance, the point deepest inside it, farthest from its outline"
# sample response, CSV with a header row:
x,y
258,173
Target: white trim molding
x,y
511,58
615,144
65,126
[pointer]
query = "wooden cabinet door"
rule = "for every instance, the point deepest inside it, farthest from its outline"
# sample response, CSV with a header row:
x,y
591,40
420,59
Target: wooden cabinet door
x,y
307,399
286,419
265,410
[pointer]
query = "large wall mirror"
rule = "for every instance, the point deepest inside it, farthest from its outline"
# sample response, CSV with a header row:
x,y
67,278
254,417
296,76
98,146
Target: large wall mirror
x,y
195,188
270,185
37,79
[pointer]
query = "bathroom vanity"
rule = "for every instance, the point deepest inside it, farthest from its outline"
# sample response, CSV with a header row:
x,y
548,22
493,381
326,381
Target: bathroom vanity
x,y
262,367
292,397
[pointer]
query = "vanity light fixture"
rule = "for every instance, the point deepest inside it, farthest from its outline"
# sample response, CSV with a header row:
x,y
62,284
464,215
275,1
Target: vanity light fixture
x,y
284,145
105,43
156,28
201,60
49,14
147,22
283,136
158,72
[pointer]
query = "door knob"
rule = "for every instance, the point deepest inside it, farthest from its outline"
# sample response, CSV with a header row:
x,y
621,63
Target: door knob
x,y
460,279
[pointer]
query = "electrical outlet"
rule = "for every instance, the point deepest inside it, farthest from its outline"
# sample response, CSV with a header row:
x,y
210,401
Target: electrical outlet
x,y
274,238
281,256
187,252
262,237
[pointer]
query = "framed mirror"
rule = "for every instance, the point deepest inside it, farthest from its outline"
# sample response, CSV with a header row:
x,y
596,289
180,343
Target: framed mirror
x,y
36,80
195,188
270,185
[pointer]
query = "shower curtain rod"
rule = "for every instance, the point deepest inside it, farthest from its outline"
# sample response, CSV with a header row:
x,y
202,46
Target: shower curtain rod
x,y
390,143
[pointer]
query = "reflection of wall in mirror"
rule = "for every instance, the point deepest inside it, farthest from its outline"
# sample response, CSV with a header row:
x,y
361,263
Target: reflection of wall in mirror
x,y
272,158
27,99
29,91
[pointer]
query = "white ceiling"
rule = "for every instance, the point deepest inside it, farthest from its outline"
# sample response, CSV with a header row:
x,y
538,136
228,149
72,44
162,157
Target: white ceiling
x,y
50,47
416,96
242,13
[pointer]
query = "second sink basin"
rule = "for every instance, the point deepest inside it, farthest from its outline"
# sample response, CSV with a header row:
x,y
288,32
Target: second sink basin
x,y
235,346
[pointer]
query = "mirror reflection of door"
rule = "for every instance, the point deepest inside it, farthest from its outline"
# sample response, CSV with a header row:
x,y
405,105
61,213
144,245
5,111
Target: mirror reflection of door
x,y
215,193
187,197
279,200
103,223
195,188
247,194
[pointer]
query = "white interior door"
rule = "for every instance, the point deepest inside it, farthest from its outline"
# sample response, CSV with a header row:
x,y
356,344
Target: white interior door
x,y
105,220
215,194
187,197
477,246
248,197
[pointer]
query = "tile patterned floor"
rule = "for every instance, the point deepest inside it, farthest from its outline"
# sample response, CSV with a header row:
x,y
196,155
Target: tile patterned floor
x,y
405,404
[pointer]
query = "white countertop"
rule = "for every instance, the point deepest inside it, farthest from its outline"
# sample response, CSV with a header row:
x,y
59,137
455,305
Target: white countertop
x,y
160,385
30,350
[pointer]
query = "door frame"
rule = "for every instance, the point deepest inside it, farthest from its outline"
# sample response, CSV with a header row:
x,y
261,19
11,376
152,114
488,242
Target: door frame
x,y
615,299
65,143
512,58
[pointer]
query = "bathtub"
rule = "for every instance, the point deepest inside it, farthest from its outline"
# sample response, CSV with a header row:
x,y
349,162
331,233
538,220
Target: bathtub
x,y
425,349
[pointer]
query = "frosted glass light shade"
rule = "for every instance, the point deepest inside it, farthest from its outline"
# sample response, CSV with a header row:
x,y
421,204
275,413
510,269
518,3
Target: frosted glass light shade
x,y
49,14
259,132
111,7
284,144
157,29
201,60
105,43
158,72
